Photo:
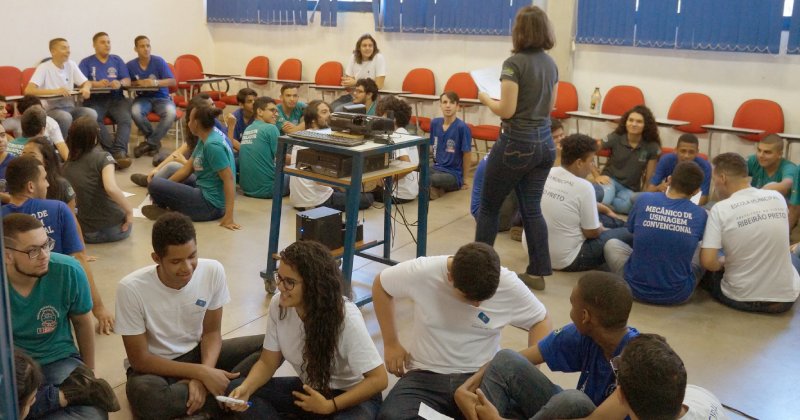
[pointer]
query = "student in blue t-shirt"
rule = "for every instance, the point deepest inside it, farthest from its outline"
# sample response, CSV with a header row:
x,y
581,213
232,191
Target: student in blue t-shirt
x,y
686,150
238,121
106,70
663,267
601,303
452,141
27,185
151,71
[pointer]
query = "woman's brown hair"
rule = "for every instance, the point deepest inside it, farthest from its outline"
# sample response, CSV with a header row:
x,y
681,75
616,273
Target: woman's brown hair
x,y
532,30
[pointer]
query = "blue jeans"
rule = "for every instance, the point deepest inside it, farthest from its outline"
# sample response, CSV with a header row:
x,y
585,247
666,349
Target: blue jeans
x,y
522,166
436,390
184,199
169,169
519,390
274,400
109,234
164,108
46,404
617,196
119,110
65,116
444,180
591,254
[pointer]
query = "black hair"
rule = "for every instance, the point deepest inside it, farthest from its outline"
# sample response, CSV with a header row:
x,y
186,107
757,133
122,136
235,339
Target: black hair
x,y
286,86
688,138
400,110
555,124
576,146
476,271
452,96
16,223
20,171
650,131
28,377
262,102
206,115
311,113
687,177
241,96
731,164
608,298
58,185
357,51
82,137
26,102
98,35
172,228
33,121
370,87
139,38
55,41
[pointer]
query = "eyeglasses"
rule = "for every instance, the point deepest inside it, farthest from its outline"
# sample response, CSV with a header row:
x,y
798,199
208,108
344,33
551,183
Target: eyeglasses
x,y
615,363
37,251
288,283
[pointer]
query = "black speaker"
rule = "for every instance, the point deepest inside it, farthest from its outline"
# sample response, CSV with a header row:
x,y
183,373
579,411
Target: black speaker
x,y
322,224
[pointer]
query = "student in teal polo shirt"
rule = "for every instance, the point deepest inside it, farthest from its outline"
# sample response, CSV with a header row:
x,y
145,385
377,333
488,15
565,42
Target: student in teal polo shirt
x,y
257,151
33,123
50,296
365,93
768,169
212,161
290,111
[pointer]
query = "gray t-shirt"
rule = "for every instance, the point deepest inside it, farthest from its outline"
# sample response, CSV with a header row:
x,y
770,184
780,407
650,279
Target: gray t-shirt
x,y
626,164
95,208
536,74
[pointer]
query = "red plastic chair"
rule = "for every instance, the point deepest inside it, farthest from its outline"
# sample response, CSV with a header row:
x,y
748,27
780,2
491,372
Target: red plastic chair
x,y
620,99
696,108
26,77
290,69
462,84
422,82
329,73
10,81
487,133
258,67
566,100
759,114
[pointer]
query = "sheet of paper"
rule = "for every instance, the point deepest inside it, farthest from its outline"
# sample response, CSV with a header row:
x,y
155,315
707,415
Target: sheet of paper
x,y
430,414
488,80
137,211
127,194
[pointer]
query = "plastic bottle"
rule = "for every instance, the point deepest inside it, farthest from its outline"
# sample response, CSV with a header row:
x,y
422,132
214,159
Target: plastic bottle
x,y
594,106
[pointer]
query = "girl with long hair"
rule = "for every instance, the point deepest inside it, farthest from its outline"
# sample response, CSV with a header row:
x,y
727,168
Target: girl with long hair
x,y
323,336
59,189
367,62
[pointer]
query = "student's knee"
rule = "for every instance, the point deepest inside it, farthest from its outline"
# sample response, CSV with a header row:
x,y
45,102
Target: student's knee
x,y
87,412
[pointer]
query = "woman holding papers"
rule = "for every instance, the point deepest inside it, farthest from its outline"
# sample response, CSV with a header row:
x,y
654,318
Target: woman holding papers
x,y
524,153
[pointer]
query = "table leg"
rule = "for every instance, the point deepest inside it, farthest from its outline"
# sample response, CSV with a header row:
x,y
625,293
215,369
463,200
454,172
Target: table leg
x,y
275,221
422,206
387,217
351,214
416,116
710,135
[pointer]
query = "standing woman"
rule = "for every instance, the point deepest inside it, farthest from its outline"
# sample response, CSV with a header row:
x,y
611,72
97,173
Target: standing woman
x,y
323,336
524,154
367,62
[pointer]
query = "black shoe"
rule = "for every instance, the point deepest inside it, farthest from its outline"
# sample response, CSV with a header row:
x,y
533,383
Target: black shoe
x,y
144,148
153,212
159,157
139,179
123,161
82,388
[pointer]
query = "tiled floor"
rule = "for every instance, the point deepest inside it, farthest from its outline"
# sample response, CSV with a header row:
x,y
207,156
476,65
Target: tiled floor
x,y
749,361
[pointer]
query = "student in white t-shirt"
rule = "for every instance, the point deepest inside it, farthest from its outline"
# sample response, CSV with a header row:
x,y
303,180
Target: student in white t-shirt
x,y
170,317
750,227
406,188
461,303
322,335
367,62
651,384
59,76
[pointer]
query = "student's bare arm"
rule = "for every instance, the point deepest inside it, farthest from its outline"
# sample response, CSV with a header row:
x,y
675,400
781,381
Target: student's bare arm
x,y
394,354
84,335
709,259
540,330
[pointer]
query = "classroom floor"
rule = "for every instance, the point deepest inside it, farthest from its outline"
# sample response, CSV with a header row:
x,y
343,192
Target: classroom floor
x,y
747,360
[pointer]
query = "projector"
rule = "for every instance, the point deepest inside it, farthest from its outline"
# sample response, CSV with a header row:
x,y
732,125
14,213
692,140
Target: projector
x,y
361,124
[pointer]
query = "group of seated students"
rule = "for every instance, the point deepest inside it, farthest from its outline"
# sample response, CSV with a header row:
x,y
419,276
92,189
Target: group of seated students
x,y
169,316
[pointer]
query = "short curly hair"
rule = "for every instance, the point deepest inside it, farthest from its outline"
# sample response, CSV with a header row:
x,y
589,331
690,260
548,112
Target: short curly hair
x,y
476,271
576,146
401,111
172,228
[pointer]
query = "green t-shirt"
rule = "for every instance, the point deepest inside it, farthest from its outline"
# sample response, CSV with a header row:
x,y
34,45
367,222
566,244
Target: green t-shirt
x,y
41,320
786,170
257,159
15,146
295,117
211,156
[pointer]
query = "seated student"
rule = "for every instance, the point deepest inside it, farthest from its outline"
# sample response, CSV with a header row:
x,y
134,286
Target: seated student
x,y
305,193
27,184
768,169
290,110
461,304
60,76
238,121
452,142
365,92
662,266
367,62
5,157
151,71
103,212
33,122
685,151
322,335
212,161
49,297
601,303
7,119
569,206
28,376
749,226
257,151
170,317
106,70
558,133
635,146
52,131
58,187
406,188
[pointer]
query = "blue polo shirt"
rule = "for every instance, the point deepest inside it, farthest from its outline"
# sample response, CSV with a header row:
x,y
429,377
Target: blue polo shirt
x,y
58,221
157,69
241,124
451,146
113,69
667,163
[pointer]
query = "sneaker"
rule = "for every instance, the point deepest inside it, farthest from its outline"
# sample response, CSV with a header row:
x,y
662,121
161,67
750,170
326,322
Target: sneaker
x,y
123,161
533,282
82,388
139,179
153,212
516,233
144,148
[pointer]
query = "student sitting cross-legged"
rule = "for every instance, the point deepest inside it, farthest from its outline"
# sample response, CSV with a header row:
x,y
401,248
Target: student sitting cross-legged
x,y
322,335
259,144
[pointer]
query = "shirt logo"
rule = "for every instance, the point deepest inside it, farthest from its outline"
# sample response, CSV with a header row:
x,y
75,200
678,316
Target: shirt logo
x,y
450,146
112,73
48,316
201,303
483,317
508,71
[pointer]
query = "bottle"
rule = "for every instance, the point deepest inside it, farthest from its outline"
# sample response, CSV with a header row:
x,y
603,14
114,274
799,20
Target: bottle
x,y
594,106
